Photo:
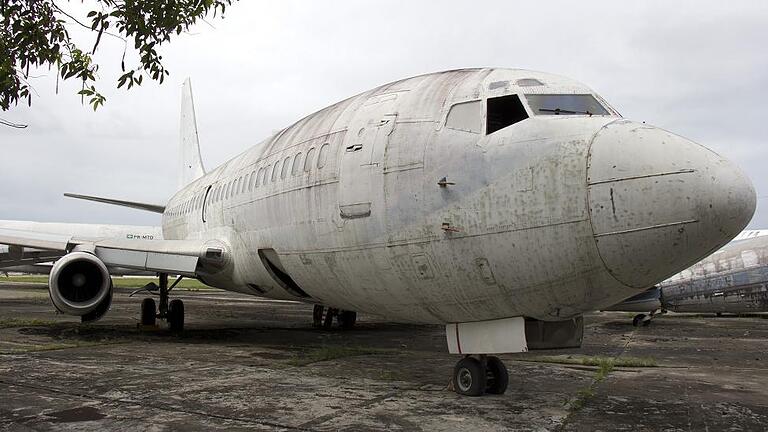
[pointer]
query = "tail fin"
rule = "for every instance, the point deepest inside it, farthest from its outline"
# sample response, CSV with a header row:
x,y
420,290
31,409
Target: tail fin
x,y
190,162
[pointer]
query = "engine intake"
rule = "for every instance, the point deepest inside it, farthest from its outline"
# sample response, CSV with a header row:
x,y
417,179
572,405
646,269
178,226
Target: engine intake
x,y
78,283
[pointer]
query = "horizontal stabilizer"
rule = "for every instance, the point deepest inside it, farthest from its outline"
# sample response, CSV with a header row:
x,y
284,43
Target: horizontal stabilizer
x,y
156,208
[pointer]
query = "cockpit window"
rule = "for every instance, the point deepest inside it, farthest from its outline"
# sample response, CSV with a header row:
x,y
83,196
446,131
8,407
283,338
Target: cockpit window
x,y
466,116
504,111
565,104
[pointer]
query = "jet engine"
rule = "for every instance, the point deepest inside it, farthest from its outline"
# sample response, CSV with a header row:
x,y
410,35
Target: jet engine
x,y
79,284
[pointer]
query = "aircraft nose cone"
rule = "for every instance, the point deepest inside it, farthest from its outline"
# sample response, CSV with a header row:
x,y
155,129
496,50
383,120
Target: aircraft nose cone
x,y
659,202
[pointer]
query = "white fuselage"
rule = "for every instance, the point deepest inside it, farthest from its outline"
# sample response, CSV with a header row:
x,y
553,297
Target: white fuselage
x,y
549,217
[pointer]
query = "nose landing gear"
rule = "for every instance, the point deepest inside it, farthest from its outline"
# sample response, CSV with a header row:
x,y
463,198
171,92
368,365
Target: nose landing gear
x,y
476,376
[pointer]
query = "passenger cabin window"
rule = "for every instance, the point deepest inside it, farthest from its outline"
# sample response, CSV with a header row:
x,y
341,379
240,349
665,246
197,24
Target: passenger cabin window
x,y
322,156
284,171
296,164
466,116
504,111
308,160
565,104
749,257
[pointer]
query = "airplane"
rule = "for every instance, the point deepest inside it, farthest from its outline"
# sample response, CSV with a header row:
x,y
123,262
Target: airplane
x,y
500,203
732,280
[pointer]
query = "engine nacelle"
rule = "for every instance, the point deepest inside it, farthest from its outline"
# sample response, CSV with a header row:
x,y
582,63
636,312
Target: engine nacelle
x,y
79,283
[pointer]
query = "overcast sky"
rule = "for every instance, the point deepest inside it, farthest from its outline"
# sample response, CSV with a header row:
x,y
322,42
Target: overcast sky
x,y
697,68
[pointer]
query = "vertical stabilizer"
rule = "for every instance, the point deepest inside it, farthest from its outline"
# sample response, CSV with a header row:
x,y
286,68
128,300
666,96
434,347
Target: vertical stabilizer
x,y
190,163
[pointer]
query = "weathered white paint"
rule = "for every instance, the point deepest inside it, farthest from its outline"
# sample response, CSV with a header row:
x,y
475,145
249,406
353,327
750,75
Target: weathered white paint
x,y
547,218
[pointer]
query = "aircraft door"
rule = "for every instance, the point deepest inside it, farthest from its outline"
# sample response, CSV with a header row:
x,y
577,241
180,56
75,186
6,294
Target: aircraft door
x,y
361,171
206,204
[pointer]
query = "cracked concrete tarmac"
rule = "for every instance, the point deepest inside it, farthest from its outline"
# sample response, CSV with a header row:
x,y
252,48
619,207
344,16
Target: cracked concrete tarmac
x,y
250,364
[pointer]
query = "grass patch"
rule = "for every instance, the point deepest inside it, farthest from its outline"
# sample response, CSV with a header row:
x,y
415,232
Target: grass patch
x,y
120,282
599,361
605,366
22,322
321,354
26,279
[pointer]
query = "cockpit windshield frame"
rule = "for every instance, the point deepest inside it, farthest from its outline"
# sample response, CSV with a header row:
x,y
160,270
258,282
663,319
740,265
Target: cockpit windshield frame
x,y
566,104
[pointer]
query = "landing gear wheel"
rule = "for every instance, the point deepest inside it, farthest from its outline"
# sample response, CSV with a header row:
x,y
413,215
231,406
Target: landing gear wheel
x,y
176,315
148,312
469,377
347,319
329,317
497,376
317,316
638,319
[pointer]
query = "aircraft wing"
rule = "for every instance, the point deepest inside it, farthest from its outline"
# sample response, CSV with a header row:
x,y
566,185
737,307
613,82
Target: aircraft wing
x,y
182,257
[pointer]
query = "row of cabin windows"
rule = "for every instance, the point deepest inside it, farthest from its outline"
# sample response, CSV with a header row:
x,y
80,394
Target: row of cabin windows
x,y
290,166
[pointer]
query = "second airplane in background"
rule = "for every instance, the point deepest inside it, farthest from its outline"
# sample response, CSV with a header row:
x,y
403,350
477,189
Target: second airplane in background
x,y
732,280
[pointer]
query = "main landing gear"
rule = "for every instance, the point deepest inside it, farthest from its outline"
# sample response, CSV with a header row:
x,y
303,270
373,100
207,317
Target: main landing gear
x,y
172,311
645,320
322,318
484,374
641,320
